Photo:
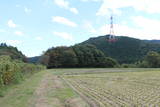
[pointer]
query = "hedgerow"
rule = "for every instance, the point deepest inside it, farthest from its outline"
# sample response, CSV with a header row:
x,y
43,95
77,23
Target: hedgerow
x,y
12,71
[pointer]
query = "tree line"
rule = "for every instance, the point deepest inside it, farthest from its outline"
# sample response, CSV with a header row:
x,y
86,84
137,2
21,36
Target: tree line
x,y
76,56
88,56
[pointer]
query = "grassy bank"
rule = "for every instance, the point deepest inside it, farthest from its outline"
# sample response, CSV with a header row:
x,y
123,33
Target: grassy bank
x,y
18,95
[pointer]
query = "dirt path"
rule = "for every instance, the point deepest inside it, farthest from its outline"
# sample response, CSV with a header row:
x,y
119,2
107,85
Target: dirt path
x,y
40,97
52,92
43,89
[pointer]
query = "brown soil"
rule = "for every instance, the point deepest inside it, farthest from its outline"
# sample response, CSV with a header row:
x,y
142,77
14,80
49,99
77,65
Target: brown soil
x,y
40,98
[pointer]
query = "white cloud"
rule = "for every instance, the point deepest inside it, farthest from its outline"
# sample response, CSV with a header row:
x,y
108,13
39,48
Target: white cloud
x,y
39,38
146,23
74,10
147,26
136,33
143,28
64,35
113,6
118,30
62,3
64,21
11,24
66,5
109,7
27,10
150,6
18,33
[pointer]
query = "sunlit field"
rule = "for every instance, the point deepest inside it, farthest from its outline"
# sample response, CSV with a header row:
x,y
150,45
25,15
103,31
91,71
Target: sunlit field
x,y
117,87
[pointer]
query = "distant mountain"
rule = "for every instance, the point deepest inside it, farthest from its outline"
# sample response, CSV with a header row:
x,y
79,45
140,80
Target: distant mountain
x,y
33,59
11,51
125,49
153,41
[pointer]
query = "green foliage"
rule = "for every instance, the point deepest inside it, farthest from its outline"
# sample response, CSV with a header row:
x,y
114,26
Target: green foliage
x,y
151,60
12,71
125,49
110,62
44,59
76,56
89,56
142,64
30,68
1,80
69,58
60,57
12,52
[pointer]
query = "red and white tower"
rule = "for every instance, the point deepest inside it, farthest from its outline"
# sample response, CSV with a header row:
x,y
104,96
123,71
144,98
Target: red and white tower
x,y
111,33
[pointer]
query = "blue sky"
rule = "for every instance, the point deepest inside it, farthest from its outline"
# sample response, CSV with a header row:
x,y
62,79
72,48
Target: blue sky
x,y
33,26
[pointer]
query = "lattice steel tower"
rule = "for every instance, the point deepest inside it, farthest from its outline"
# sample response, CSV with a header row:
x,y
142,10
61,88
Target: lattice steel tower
x,y
111,33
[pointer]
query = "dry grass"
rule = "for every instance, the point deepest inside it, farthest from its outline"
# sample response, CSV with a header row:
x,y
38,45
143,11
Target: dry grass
x,y
86,87
118,89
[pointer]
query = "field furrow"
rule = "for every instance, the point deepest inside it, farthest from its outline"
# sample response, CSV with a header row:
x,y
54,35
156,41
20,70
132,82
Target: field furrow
x,y
118,90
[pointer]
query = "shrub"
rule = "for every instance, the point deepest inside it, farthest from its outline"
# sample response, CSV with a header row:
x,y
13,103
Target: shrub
x,y
13,71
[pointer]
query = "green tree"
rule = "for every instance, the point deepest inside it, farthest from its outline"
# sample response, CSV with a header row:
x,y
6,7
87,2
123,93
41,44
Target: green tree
x,y
11,51
69,58
61,57
77,56
153,59
89,56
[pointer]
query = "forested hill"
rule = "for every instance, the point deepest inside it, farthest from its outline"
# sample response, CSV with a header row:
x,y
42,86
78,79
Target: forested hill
x,y
125,49
11,51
